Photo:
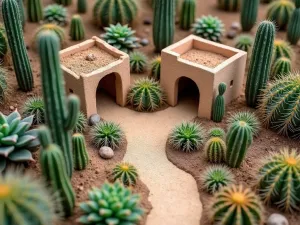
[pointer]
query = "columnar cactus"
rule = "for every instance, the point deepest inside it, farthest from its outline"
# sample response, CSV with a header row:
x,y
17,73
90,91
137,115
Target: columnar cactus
x,y
54,171
61,113
80,155
64,2
35,10
238,140
293,32
77,28
215,150
22,12
15,38
81,6
229,5
163,23
259,72
282,67
249,13
188,13
219,104
107,12
58,30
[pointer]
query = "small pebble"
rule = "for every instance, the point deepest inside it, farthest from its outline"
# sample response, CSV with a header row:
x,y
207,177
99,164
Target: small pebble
x,y
11,108
90,57
235,26
80,188
147,30
106,152
94,119
231,34
147,21
144,42
277,219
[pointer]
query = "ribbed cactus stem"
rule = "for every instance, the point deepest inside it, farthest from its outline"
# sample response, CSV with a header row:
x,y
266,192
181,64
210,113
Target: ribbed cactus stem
x,y
215,150
281,67
77,28
164,23
260,64
188,13
34,10
22,12
61,113
81,6
293,32
15,39
54,170
229,5
249,13
80,154
219,104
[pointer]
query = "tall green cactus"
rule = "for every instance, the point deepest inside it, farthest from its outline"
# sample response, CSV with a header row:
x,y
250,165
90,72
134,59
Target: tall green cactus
x,y
293,32
15,38
219,104
81,6
61,113
77,28
188,13
249,13
64,2
54,171
239,138
35,10
164,23
260,64
22,12
81,157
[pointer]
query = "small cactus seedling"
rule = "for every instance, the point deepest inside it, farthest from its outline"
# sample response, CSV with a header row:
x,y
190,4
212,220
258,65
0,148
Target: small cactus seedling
x,y
229,5
3,85
187,15
249,13
215,150
55,14
282,67
126,173
34,106
80,155
77,32
244,42
282,49
138,62
293,33
58,30
35,11
219,104
216,132
155,68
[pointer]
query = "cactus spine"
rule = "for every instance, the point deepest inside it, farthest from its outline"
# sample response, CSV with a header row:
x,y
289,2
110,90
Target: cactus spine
x,y
163,24
77,28
229,5
35,10
259,72
81,6
215,150
64,2
60,116
15,38
238,140
54,171
282,67
249,14
187,16
219,104
81,157
293,32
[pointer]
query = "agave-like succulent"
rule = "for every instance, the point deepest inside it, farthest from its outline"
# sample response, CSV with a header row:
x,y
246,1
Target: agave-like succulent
x,y
34,106
55,14
17,142
81,123
216,132
126,173
138,62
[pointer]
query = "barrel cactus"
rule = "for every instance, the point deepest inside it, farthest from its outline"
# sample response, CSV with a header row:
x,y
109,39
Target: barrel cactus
x,y
236,205
219,104
82,6
216,132
107,12
138,62
3,42
55,14
249,13
155,68
126,173
64,2
3,85
35,10
280,105
244,42
34,106
80,155
282,49
77,28
229,5
111,204
17,141
188,13
279,181
282,67
215,150
293,32
58,30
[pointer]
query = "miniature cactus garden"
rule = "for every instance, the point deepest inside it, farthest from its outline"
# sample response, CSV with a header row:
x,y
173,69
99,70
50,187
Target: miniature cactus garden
x,y
149,112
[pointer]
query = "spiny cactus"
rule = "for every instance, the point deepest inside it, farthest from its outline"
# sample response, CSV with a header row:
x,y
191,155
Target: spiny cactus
x,y
216,132
215,150
209,27
3,42
3,85
293,32
107,12
126,173
16,42
249,13
77,28
146,95
229,5
236,205
258,74
64,2
80,124
35,11
163,23
282,67
121,37
282,49
244,42
80,155
280,105
34,106
238,140
219,104
55,14
138,62
249,117
216,177
22,12
112,204
279,181
188,13
108,134
58,30
26,200
81,6
155,68
187,137
280,11
61,113
54,171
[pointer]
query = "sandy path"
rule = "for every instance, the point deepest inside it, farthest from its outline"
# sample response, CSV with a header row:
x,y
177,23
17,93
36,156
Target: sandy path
x,y
173,192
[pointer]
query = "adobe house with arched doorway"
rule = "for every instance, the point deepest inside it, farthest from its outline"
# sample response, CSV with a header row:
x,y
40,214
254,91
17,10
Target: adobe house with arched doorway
x,y
86,64
206,63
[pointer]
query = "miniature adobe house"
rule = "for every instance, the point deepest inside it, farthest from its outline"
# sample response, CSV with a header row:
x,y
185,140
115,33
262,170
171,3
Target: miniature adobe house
x,y
86,85
231,72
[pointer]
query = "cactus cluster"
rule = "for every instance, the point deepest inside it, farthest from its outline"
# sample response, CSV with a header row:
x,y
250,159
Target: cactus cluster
x,y
34,106
279,181
219,104
80,155
35,11
112,204
282,67
107,12
3,85
77,32
155,68
17,141
216,132
58,30
215,150
126,173
55,14
293,30
3,42
138,62
188,13
244,42
249,13
282,49
236,205
229,5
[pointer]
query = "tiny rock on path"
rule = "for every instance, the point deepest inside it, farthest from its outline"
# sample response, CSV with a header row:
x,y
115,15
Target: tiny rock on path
x,y
173,193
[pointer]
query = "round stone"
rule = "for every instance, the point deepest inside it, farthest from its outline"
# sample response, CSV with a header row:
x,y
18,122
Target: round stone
x,y
235,26
144,42
231,34
90,57
94,119
106,152
277,219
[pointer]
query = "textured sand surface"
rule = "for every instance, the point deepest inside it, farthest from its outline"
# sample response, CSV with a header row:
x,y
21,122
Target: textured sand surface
x,y
173,192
